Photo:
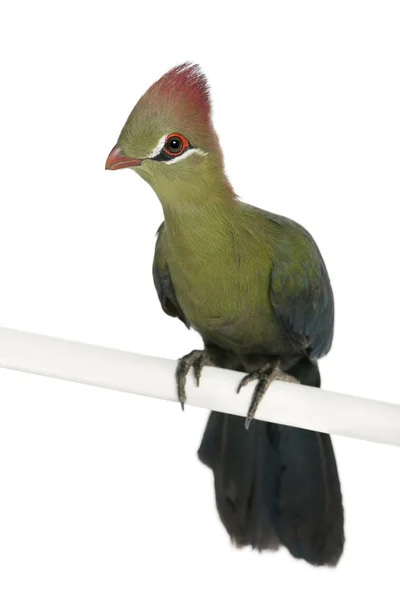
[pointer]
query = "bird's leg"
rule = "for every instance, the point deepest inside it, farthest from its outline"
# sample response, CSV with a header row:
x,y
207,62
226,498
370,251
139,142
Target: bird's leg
x,y
196,359
265,376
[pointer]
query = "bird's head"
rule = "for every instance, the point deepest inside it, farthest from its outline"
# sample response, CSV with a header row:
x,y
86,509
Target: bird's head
x,y
169,138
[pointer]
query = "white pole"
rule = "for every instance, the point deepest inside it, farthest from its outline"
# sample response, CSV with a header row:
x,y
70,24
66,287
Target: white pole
x,y
285,403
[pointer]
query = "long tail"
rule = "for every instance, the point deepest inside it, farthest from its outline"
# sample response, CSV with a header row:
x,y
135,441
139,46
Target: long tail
x,y
276,484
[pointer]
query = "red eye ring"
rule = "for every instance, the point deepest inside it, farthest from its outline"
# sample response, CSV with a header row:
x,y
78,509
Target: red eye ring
x,y
175,144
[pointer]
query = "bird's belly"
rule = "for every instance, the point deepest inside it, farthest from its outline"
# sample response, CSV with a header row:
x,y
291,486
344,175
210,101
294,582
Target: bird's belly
x,y
247,334
233,312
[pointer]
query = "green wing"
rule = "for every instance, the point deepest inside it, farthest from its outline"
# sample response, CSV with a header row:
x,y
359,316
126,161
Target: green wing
x,y
163,282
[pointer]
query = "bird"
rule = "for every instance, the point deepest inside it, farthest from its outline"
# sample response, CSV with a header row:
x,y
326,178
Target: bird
x,y
255,287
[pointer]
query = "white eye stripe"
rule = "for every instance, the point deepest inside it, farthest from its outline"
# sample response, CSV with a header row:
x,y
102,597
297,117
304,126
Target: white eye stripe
x,y
158,148
184,155
156,151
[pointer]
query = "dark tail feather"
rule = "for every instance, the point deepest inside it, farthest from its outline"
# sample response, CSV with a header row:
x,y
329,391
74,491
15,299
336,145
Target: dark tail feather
x,y
277,484
241,476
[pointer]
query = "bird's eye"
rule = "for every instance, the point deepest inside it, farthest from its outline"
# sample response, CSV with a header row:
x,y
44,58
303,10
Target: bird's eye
x,y
175,144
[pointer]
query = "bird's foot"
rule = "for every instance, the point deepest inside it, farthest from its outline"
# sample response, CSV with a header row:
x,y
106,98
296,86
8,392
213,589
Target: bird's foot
x,y
265,376
196,359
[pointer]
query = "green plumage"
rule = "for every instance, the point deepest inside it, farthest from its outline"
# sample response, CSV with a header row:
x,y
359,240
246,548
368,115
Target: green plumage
x,y
247,280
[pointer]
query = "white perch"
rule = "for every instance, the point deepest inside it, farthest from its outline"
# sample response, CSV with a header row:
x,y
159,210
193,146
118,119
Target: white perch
x,y
285,403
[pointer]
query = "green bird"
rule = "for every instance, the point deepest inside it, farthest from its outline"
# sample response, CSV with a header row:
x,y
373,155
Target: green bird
x,y
255,286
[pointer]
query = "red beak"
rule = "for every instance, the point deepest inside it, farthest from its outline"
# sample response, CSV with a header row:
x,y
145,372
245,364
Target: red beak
x,y
116,160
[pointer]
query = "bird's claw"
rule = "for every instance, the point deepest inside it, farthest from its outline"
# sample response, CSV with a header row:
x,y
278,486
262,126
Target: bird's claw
x,y
247,379
265,376
196,359
198,365
263,384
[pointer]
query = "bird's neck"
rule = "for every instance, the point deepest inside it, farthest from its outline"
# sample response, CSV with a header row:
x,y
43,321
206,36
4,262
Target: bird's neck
x,y
198,217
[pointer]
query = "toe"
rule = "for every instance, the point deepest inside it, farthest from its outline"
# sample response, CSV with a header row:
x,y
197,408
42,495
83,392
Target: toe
x,y
245,380
197,368
248,421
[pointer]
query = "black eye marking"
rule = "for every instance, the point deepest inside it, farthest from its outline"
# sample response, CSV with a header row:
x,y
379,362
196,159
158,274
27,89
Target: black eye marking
x,y
175,145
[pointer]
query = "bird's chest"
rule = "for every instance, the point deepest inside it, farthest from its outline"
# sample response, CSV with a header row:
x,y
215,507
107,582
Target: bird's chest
x,y
224,293
207,289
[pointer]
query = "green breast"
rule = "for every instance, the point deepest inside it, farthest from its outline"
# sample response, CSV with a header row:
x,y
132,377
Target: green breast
x,y
221,281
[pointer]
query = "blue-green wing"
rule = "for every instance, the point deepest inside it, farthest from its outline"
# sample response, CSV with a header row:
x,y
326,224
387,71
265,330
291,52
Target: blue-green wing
x,y
301,293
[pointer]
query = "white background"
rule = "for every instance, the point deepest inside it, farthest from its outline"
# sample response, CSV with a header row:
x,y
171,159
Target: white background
x,y
101,494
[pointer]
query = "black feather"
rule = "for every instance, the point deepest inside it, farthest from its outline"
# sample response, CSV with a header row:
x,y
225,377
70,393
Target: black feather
x,y
276,484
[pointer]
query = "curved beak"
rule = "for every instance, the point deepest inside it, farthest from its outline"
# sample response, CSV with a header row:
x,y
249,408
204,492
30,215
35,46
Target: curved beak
x,y
116,160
